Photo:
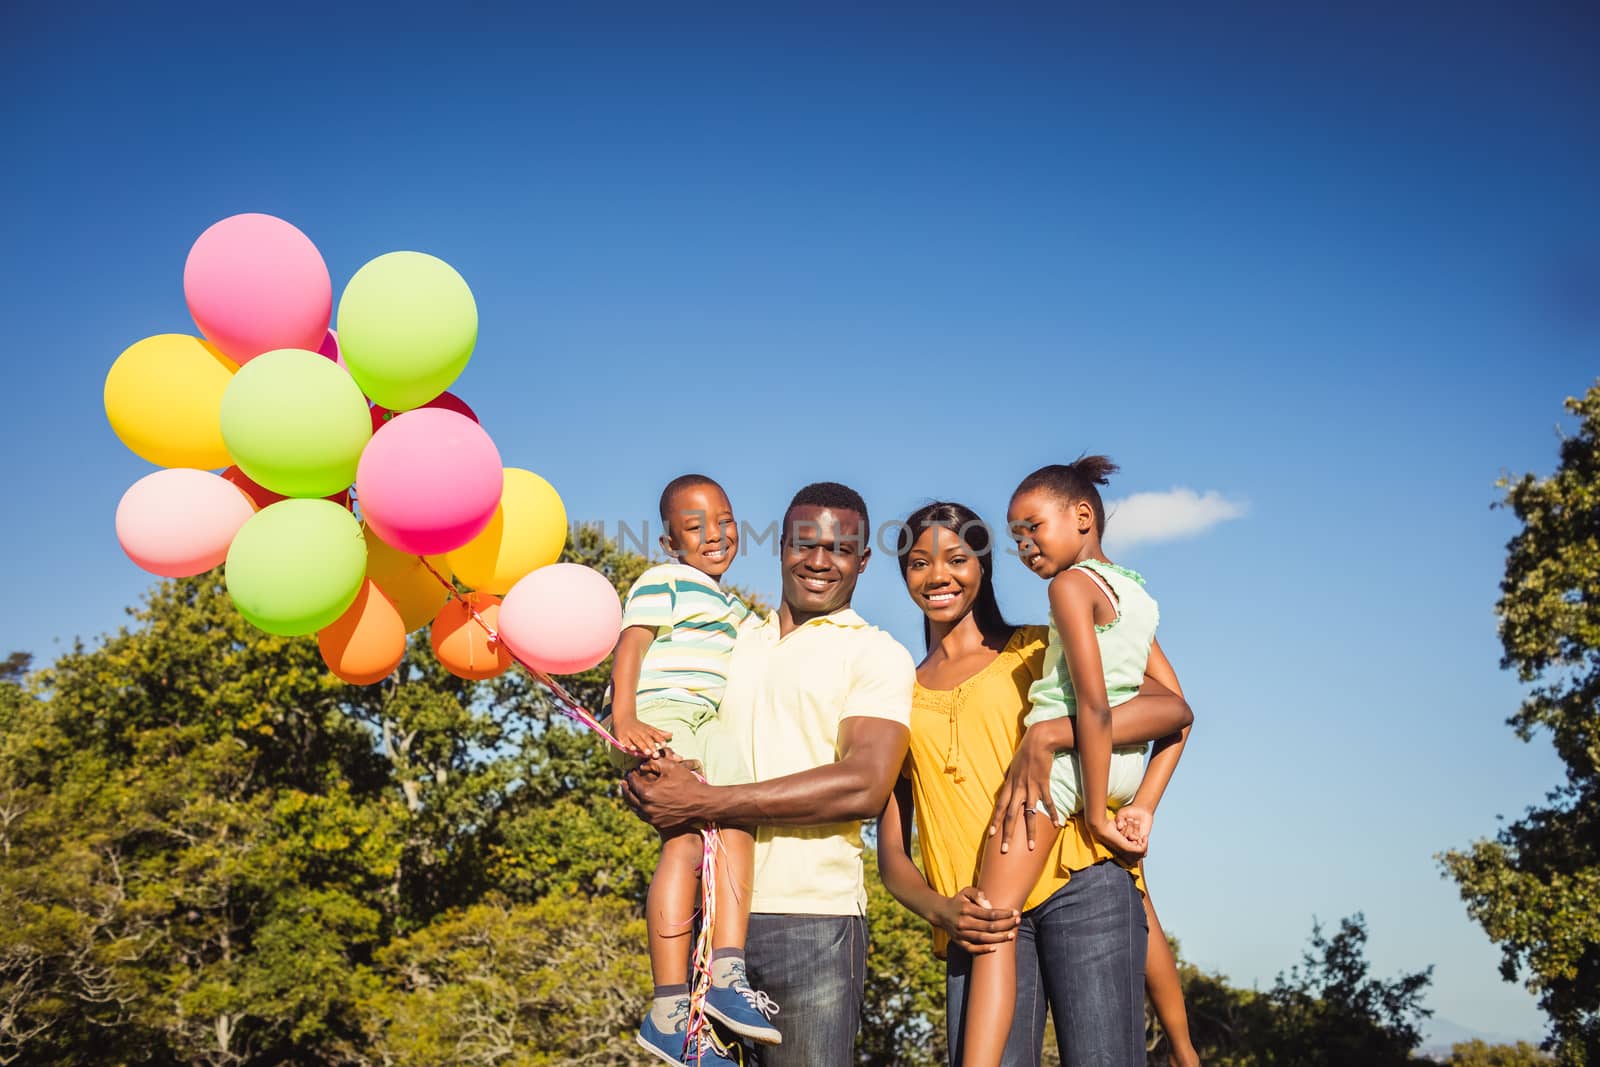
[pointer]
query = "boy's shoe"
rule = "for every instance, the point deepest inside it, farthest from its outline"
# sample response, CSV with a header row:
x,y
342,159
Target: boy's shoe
x,y
745,1011
673,1046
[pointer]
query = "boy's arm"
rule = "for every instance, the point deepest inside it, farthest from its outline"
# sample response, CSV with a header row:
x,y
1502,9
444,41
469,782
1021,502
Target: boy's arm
x,y
626,663
856,786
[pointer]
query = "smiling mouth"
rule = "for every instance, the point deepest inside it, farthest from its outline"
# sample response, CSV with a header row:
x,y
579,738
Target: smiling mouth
x,y
1034,560
715,555
939,600
815,585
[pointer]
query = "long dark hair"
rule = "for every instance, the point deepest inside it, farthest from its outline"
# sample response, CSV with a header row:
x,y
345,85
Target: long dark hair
x,y
974,532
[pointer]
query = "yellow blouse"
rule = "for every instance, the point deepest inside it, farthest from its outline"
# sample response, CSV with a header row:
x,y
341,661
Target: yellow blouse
x,y
962,741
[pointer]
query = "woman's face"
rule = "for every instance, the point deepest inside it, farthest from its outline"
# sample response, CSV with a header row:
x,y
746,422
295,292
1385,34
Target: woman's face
x,y
943,574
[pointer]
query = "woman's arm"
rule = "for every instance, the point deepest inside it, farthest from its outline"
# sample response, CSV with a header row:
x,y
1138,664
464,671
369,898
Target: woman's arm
x,y
1152,715
970,924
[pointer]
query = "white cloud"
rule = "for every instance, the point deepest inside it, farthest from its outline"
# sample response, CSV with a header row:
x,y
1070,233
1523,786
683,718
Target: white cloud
x,y
1144,518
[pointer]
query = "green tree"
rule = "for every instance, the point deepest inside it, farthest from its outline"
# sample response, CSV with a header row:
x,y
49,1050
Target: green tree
x,y
1477,1053
1535,888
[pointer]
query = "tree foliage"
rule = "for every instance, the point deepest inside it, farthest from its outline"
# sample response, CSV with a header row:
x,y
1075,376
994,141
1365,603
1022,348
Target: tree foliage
x,y
1535,888
1476,1053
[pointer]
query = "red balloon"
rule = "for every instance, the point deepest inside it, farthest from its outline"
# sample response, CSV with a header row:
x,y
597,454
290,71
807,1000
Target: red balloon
x,y
444,401
261,496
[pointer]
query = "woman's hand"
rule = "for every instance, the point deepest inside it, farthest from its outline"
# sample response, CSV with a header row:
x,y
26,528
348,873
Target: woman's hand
x,y
1026,788
973,924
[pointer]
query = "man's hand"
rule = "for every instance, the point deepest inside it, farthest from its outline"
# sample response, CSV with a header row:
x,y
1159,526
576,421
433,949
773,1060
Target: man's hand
x,y
1027,785
973,924
666,794
1134,823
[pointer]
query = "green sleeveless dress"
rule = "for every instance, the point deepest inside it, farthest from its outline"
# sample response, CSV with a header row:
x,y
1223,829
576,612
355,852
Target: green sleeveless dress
x,y
1124,651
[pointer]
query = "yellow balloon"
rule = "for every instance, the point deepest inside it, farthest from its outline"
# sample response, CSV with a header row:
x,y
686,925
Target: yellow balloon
x,y
164,399
416,594
528,531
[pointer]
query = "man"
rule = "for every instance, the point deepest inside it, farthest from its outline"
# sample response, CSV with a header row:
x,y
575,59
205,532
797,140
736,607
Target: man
x,y
821,702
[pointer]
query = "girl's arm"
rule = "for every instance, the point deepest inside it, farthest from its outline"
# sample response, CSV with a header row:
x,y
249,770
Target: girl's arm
x,y
1072,603
1167,751
970,924
627,660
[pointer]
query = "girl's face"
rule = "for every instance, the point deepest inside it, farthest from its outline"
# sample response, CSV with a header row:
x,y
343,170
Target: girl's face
x,y
943,575
1051,533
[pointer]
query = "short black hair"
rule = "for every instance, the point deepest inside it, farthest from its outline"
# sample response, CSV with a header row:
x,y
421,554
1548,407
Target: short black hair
x,y
1075,481
681,482
829,495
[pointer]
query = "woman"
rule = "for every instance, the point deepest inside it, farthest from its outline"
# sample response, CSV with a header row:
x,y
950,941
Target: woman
x,y
1084,934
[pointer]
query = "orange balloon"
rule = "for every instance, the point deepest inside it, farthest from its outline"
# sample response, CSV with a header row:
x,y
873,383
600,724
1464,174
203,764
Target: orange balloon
x,y
367,642
462,645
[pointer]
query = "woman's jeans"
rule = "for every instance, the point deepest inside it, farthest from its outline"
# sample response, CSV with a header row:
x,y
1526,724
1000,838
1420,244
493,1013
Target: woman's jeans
x,y
1081,953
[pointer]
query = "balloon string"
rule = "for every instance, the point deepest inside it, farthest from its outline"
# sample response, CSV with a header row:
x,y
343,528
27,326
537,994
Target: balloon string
x,y
710,839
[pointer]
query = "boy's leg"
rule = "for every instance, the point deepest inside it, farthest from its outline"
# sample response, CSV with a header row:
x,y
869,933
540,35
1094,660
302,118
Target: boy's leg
x,y
1005,879
1165,989
815,967
735,872
670,908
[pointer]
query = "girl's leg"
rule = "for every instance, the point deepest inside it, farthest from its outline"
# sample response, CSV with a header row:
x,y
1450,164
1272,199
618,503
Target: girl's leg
x,y
669,909
1165,989
1005,880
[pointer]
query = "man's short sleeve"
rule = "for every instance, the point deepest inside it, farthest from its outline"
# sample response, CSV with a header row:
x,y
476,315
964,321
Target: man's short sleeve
x,y
650,601
881,685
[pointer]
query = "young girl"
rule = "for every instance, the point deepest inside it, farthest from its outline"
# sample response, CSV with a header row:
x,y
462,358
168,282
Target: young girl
x,y
667,681
1101,644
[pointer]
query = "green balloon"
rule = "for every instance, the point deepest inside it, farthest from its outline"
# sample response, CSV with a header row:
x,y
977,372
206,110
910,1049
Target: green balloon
x,y
407,326
295,423
296,565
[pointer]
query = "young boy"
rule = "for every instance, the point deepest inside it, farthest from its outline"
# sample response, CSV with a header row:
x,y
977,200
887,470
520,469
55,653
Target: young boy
x,y
667,680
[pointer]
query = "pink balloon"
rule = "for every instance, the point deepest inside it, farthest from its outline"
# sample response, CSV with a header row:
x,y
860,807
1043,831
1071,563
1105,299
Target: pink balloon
x,y
444,402
254,283
330,348
429,482
561,619
179,522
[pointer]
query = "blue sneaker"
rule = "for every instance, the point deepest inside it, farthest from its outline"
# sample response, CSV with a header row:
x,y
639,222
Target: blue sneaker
x,y
673,1045
666,1044
745,1011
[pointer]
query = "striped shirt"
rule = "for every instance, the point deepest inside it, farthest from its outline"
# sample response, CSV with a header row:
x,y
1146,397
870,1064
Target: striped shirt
x,y
696,624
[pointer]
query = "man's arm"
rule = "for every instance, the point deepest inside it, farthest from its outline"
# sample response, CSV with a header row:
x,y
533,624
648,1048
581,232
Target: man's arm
x,y
856,786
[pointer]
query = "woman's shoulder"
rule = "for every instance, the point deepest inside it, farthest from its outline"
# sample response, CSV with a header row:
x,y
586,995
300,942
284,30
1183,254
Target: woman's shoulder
x,y
1029,640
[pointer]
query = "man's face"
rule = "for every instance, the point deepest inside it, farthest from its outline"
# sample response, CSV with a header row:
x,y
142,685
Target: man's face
x,y
824,552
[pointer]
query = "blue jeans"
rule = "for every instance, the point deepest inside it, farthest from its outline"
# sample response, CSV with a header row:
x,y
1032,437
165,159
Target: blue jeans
x,y
815,967
1082,953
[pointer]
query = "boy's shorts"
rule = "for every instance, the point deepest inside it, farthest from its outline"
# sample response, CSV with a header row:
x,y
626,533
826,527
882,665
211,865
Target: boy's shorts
x,y
697,734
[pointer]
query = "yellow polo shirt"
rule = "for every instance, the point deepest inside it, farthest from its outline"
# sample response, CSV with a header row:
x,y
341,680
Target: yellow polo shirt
x,y
785,700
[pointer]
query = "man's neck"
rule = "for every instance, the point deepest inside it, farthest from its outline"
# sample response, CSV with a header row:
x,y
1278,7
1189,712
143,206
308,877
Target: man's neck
x,y
790,619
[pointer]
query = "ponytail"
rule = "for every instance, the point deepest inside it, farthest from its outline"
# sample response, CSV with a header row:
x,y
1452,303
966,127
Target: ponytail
x,y
1075,481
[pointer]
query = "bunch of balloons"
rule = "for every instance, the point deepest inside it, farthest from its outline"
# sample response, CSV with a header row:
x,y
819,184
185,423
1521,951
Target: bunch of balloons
x,y
333,473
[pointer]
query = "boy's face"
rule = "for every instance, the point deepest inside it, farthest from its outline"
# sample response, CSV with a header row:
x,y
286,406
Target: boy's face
x,y
700,529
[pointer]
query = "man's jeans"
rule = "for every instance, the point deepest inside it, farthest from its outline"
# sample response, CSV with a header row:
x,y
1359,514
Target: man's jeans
x,y
1082,952
815,967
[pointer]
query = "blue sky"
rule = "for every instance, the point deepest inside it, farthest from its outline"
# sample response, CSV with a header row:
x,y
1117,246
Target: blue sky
x,y
1340,269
